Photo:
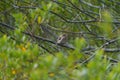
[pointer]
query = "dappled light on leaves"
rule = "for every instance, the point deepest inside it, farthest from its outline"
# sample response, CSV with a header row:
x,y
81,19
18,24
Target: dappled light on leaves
x,y
59,40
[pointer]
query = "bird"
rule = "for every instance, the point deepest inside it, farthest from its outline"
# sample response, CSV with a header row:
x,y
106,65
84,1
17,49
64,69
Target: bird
x,y
62,39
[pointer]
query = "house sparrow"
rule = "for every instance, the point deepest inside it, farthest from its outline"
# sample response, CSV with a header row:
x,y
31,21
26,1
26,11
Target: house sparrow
x,y
62,39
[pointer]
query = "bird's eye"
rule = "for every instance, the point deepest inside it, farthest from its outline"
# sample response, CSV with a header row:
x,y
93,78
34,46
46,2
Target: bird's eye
x,y
59,38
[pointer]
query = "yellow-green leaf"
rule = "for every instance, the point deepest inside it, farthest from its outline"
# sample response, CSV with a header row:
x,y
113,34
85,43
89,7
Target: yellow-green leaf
x,y
39,20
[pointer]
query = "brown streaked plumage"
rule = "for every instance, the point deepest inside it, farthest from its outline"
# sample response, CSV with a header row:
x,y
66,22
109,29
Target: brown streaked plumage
x,y
62,39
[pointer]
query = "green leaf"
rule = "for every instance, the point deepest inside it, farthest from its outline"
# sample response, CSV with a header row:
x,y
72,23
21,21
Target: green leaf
x,y
79,43
106,25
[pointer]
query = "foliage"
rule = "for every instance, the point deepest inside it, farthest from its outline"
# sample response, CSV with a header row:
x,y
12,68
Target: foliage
x,y
28,40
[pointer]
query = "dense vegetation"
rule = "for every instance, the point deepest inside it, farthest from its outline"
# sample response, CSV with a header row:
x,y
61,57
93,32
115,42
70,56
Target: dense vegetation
x,y
29,31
